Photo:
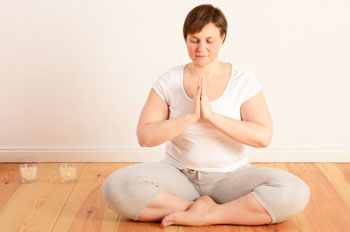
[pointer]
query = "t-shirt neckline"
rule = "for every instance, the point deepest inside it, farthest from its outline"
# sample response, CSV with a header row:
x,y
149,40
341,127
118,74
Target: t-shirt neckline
x,y
212,102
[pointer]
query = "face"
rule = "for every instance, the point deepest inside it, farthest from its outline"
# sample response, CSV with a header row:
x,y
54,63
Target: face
x,y
204,47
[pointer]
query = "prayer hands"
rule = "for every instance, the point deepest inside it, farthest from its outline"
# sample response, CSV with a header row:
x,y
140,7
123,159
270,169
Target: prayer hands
x,y
201,103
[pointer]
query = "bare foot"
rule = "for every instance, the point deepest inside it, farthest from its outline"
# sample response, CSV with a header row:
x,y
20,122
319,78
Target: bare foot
x,y
198,214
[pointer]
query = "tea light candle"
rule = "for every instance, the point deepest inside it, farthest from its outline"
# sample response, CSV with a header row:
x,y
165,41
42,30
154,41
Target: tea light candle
x,y
28,172
68,173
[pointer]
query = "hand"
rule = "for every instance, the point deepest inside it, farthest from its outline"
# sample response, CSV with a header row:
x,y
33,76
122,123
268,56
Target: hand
x,y
196,112
205,108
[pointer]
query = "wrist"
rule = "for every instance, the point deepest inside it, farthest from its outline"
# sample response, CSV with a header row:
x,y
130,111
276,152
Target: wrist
x,y
212,118
193,118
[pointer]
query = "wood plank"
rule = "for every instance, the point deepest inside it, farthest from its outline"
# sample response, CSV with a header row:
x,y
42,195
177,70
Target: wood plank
x,y
85,210
10,182
338,179
345,169
35,206
212,228
263,164
326,211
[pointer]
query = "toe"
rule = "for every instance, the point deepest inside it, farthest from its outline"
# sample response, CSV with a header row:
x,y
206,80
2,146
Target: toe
x,y
167,220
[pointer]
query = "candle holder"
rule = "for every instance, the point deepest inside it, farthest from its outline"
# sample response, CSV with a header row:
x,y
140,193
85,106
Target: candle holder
x,y
68,173
28,172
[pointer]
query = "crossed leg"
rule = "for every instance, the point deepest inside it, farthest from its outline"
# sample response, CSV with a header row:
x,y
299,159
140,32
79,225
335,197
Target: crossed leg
x,y
204,211
143,192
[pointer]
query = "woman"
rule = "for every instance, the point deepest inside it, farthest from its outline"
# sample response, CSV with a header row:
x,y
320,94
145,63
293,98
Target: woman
x,y
206,111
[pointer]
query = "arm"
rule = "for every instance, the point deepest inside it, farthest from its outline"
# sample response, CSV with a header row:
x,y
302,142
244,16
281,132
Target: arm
x,y
254,130
154,127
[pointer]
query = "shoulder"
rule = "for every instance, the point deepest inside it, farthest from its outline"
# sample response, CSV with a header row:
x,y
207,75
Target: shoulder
x,y
173,71
247,83
243,76
169,77
168,82
172,74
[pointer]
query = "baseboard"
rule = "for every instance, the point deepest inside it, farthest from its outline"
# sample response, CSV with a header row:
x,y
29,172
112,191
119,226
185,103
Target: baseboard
x,y
149,155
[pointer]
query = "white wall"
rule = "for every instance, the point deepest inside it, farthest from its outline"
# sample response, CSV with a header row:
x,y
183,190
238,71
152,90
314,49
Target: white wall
x,y
74,75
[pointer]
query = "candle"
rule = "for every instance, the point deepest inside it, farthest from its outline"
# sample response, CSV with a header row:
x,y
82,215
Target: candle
x,y
68,173
28,172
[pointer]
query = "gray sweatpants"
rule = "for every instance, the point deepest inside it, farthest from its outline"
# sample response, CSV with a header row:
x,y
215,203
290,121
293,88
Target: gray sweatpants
x,y
129,190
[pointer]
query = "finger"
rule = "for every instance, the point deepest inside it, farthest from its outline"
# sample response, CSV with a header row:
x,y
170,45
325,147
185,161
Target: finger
x,y
197,96
203,88
200,83
200,86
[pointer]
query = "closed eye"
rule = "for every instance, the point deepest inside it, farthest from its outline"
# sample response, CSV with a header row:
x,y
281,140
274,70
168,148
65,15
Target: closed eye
x,y
198,41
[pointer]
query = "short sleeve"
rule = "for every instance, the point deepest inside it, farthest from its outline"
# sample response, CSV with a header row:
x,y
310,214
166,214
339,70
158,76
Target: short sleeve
x,y
161,86
251,86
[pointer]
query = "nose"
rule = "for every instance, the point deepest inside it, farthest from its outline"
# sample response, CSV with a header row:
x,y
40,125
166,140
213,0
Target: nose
x,y
201,46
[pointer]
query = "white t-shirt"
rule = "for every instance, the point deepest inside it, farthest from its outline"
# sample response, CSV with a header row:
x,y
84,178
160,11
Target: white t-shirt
x,y
202,147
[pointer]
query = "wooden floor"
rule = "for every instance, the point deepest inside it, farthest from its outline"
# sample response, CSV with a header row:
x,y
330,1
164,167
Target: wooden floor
x,y
49,205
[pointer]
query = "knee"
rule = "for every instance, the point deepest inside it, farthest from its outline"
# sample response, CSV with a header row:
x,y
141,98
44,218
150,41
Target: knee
x,y
127,195
114,194
296,198
108,192
302,196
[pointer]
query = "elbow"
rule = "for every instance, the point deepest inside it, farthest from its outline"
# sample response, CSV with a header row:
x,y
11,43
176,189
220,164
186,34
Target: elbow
x,y
146,143
140,139
265,143
143,140
266,140
142,143
262,144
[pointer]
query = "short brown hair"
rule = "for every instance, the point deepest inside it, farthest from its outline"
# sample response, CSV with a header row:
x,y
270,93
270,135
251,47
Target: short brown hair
x,y
200,16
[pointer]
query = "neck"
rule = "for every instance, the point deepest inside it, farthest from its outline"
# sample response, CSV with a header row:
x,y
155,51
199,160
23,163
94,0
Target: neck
x,y
207,72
